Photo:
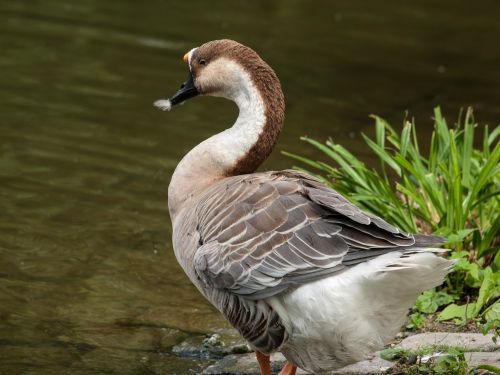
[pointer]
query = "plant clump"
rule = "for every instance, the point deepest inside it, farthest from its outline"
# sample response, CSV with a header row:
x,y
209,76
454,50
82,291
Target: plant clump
x,y
453,191
436,360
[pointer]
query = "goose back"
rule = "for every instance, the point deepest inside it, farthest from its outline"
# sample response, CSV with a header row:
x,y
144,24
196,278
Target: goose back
x,y
264,233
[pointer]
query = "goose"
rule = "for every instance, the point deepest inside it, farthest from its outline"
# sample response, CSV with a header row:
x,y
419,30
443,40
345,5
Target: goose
x,y
289,262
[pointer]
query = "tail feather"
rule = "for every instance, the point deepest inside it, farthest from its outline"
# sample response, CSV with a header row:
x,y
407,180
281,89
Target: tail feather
x,y
428,240
422,270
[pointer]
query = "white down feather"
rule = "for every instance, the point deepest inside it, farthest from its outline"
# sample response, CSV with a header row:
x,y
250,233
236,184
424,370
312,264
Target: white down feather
x,y
346,317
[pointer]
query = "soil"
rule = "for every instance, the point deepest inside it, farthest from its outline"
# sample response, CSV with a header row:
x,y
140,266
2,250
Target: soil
x,y
433,325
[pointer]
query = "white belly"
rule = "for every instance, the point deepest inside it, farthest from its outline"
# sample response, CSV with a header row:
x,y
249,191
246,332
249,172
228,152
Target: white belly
x,y
344,318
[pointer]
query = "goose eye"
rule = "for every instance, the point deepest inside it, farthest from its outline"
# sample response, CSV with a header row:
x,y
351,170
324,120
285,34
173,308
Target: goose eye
x,y
202,62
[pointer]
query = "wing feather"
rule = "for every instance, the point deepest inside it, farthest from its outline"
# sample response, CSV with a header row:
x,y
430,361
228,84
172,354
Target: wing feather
x,y
263,233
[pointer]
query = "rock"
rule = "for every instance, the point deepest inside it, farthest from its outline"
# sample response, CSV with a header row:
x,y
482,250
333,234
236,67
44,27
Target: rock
x,y
244,364
212,346
470,341
374,365
483,358
247,365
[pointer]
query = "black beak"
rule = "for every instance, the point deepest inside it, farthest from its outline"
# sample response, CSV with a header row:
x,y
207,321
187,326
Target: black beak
x,y
187,90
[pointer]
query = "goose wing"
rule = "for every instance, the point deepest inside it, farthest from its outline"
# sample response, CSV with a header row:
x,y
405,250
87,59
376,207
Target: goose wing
x,y
263,233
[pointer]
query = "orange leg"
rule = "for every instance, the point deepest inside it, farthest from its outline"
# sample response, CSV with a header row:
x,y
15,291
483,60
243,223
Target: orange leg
x,y
289,369
264,363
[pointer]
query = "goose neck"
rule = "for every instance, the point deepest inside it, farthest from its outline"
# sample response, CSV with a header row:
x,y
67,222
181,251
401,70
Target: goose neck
x,y
237,150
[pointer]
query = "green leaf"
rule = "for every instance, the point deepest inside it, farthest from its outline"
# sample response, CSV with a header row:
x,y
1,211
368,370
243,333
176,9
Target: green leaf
x,y
430,300
486,144
467,152
405,137
493,312
463,312
302,159
351,172
380,133
459,236
416,321
392,354
496,262
382,154
489,368
489,236
486,291
486,173
472,269
493,135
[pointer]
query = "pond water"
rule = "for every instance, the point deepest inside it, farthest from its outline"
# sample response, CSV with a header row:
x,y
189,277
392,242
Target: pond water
x,y
88,280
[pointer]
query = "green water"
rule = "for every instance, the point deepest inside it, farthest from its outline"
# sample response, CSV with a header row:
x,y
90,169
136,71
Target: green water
x,y
88,280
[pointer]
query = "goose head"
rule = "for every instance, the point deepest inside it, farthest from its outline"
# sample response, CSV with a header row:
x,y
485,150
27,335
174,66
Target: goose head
x,y
228,69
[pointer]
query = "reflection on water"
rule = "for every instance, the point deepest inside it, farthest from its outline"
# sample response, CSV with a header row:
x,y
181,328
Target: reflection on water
x,y
88,281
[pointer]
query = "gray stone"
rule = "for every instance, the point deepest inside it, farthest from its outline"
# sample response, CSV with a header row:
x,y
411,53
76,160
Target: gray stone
x,y
244,364
470,341
483,358
212,346
374,365
247,365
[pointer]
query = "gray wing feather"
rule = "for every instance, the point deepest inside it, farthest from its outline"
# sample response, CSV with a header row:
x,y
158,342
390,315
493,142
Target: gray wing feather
x,y
263,233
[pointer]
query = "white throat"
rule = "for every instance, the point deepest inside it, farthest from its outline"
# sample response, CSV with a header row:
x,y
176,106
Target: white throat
x,y
207,163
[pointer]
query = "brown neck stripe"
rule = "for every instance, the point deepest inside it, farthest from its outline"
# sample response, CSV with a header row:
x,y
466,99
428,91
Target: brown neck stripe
x,y
267,83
